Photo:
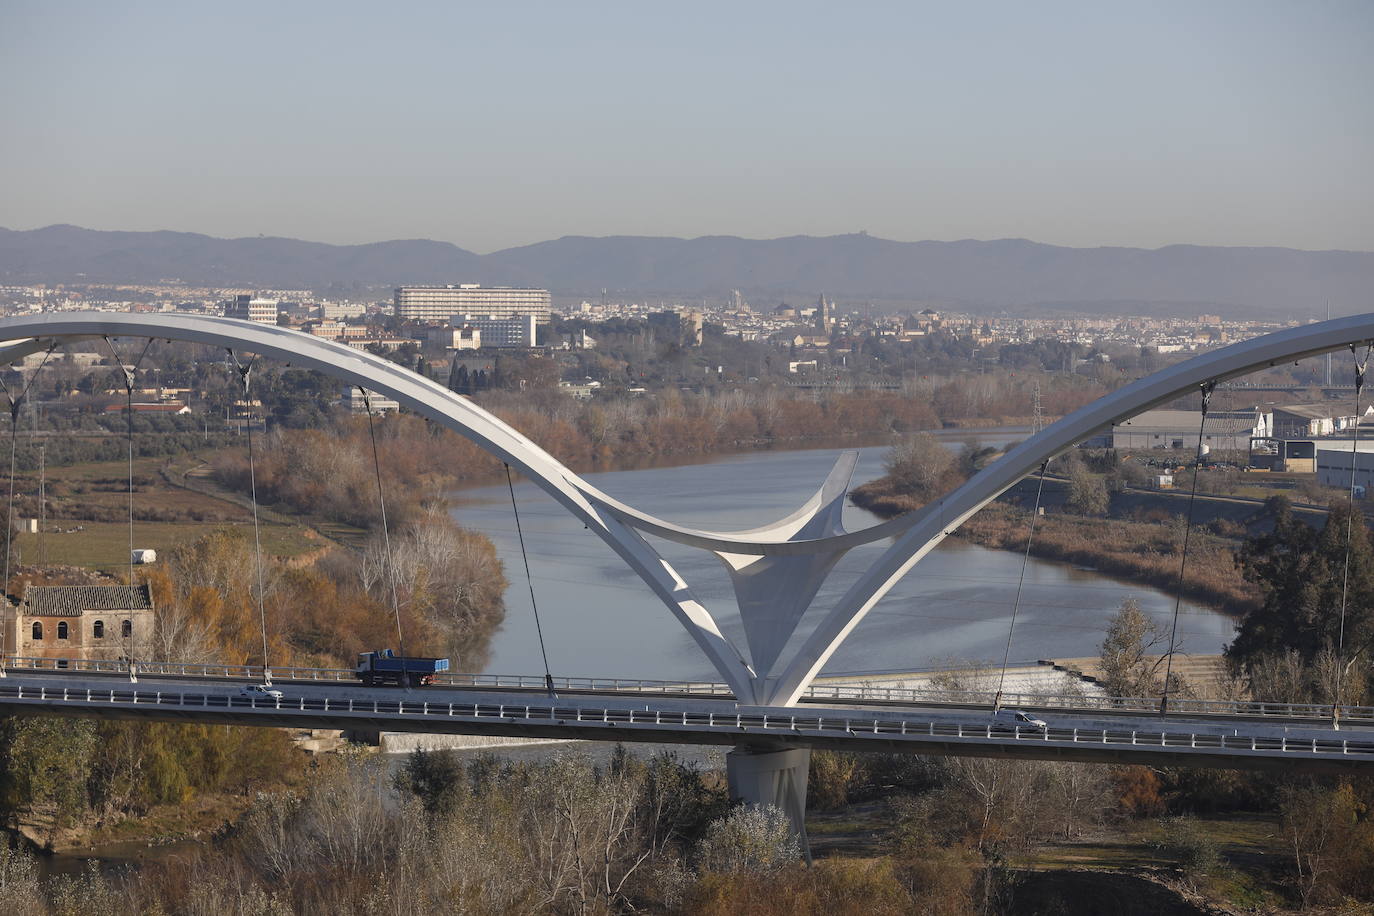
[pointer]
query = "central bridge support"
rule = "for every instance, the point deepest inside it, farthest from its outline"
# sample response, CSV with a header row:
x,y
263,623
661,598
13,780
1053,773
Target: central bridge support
x,y
760,776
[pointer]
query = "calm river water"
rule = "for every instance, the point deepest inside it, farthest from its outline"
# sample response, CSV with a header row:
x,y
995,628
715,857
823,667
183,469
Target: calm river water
x,y
600,620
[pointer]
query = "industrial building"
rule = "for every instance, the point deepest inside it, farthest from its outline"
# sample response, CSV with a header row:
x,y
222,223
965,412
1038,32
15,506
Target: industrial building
x,y
1178,429
1334,460
1299,421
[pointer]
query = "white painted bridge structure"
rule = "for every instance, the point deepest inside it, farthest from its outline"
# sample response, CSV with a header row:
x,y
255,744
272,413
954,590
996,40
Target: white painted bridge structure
x,y
777,569
1255,736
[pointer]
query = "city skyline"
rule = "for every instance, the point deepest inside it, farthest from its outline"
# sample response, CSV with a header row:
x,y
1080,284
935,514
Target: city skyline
x,y
1229,124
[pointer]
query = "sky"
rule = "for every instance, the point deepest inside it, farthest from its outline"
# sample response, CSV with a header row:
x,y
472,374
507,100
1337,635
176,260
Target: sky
x,y
491,125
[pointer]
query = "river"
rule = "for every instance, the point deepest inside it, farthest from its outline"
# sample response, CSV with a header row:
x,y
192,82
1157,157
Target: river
x,y
600,620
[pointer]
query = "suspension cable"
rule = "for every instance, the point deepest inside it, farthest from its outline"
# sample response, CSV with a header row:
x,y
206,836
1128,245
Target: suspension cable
x,y
1020,582
1207,389
129,378
389,567
16,404
245,376
529,580
1360,366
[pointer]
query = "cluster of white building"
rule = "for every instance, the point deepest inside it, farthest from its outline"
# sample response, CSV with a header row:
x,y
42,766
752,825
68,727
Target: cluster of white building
x,y
1327,439
462,317
473,316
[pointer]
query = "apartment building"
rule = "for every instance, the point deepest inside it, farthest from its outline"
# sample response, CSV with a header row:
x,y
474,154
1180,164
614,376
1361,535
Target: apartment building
x,y
441,303
250,308
517,331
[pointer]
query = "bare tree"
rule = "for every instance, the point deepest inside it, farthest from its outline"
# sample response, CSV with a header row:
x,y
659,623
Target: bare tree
x,y
179,635
1280,678
1317,824
1079,794
1124,657
920,466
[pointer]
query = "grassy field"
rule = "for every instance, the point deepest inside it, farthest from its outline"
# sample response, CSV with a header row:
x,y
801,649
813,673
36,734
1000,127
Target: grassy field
x,y
80,495
105,545
1251,848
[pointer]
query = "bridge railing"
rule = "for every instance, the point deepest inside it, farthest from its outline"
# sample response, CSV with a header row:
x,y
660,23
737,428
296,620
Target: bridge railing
x,y
176,669
1183,705
854,730
296,673
831,692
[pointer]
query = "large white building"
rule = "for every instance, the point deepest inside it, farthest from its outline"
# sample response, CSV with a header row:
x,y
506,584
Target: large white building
x,y
442,303
355,402
251,308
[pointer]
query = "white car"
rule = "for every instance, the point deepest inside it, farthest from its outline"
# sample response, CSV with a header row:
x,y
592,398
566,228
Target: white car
x,y
260,692
1014,718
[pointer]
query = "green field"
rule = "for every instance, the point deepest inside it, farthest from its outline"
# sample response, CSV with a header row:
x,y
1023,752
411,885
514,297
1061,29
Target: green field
x,y
105,545
72,540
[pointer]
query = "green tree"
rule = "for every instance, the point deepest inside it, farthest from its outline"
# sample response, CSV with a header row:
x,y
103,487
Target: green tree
x,y
45,763
1087,493
1302,577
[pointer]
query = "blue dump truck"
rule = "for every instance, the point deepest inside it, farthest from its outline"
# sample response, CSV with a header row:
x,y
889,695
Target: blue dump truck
x,y
385,667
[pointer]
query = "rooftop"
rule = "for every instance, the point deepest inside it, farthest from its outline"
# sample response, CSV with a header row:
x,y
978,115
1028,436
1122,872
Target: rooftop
x,y
1315,411
74,600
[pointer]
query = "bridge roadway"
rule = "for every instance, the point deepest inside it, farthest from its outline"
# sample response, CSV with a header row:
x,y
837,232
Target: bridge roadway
x,y
1086,735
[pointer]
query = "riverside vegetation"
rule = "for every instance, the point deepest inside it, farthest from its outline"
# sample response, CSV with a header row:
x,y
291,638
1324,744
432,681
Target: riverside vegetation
x,y
61,782
1145,546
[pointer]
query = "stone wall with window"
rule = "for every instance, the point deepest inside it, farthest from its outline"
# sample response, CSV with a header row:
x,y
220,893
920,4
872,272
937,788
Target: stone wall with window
x,y
79,621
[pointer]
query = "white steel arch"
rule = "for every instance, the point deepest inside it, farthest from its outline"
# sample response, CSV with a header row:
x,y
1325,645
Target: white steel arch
x,y
778,568
426,398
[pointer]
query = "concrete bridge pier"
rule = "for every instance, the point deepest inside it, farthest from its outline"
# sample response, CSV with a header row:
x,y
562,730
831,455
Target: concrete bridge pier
x,y
764,776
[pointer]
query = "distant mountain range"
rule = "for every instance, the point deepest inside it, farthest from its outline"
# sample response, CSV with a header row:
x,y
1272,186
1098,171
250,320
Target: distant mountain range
x,y
1009,274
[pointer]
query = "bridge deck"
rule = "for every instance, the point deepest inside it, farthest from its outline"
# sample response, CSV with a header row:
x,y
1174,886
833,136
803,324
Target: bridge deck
x,y
967,732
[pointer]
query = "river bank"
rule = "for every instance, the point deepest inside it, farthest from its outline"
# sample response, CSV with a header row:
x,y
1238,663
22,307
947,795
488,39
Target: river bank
x,y
1143,551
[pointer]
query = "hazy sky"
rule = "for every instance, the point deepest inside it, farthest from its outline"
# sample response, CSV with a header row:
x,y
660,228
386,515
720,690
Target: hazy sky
x,y
498,124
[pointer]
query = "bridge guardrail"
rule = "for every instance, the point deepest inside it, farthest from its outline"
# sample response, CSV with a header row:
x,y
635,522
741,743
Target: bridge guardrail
x,y
1085,702
287,672
837,692
823,726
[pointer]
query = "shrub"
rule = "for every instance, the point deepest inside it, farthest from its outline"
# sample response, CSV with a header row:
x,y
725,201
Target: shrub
x,y
753,839
832,775
835,886
1190,847
19,886
1137,792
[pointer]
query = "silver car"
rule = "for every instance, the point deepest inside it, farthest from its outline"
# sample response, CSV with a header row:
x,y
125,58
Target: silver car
x,y
1015,718
260,692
